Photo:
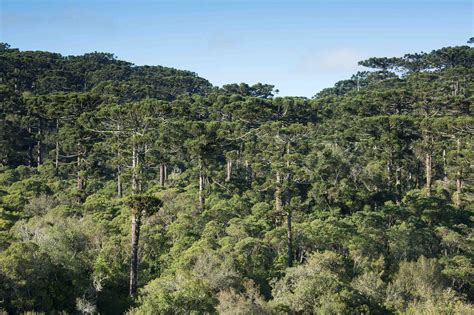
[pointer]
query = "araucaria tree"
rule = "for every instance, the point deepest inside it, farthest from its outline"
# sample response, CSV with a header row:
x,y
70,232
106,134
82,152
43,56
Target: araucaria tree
x,y
146,190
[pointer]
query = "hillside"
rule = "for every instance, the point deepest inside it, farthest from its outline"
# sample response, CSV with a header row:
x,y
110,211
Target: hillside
x,y
144,189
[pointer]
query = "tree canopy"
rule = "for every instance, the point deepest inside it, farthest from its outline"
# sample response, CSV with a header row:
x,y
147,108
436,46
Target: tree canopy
x,y
146,190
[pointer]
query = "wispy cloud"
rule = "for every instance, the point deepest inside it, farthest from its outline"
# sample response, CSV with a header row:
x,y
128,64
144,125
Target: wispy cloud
x,y
218,41
335,61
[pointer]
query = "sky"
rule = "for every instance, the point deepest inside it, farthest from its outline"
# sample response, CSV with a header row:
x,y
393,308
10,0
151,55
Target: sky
x,y
299,46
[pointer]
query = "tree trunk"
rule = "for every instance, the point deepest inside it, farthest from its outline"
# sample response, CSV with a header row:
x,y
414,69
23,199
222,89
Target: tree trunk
x,y
398,184
119,183
459,177
166,173
134,169
39,151
389,173
119,169
278,202
229,169
139,164
134,253
445,166
56,151
289,214
459,186
56,158
249,173
201,186
162,175
289,217
429,173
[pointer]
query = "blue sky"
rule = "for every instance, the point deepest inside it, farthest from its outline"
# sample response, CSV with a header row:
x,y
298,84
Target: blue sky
x,y
299,46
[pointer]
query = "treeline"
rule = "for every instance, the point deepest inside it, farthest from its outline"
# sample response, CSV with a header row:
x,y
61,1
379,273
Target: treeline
x,y
147,190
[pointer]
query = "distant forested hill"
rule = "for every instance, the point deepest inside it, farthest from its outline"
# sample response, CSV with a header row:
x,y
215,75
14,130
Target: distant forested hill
x,y
144,189
41,72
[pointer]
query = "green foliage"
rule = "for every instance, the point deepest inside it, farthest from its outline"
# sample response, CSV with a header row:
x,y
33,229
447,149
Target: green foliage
x,y
178,294
420,282
359,200
31,281
319,286
247,302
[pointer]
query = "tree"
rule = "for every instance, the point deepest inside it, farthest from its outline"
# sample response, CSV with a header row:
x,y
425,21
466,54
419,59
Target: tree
x,y
140,205
415,281
144,188
32,281
319,286
383,64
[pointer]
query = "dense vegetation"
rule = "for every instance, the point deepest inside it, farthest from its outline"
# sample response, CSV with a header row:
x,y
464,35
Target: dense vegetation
x,y
147,190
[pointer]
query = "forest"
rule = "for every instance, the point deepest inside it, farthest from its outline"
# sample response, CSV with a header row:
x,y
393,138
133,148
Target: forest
x,y
131,189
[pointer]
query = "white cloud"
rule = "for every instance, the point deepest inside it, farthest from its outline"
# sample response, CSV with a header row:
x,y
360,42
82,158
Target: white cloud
x,y
333,61
343,59
223,41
